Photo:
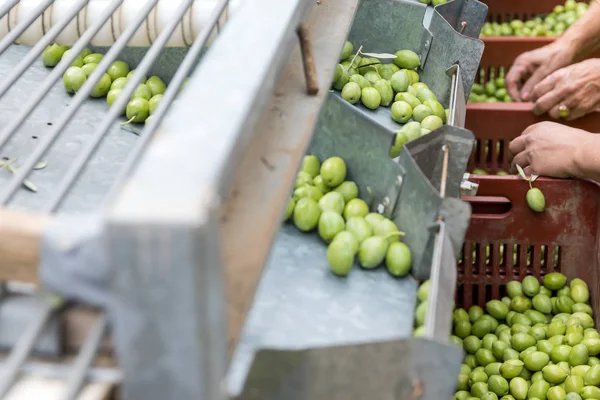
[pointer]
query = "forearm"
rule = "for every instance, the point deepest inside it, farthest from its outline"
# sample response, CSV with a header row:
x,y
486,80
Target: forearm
x,y
588,158
583,37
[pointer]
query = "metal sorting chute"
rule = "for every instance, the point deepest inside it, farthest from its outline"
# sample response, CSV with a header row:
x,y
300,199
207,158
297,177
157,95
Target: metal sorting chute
x,y
342,320
156,256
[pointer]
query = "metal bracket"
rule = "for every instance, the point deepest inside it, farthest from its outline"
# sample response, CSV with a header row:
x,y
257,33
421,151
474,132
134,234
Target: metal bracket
x,y
438,321
458,106
426,40
413,368
465,16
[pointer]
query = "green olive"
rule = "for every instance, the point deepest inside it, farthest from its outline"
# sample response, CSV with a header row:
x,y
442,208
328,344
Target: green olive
x,y
355,208
330,224
73,79
401,112
318,182
306,211
78,62
332,201
156,85
89,68
142,91
421,112
93,58
386,71
118,69
130,74
385,91
351,92
333,171
372,251
112,96
53,54
370,98
421,313
340,257
347,51
310,164
348,189
554,280
307,191
138,110
535,200
400,81
102,87
153,102
118,83
349,240
398,259
86,52
359,227
289,208
302,179
374,219
407,59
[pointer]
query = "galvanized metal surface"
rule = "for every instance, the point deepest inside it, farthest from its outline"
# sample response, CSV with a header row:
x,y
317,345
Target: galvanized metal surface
x,y
465,16
401,369
100,173
427,153
300,304
385,26
438,320
170,282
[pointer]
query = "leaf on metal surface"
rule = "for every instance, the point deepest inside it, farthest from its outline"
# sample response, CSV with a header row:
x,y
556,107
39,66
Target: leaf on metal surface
x,y
40,165
29,185
380,55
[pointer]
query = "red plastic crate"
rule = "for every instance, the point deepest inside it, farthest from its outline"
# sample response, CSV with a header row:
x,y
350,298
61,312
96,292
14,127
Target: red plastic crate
x,y
501,219
496,124
507,10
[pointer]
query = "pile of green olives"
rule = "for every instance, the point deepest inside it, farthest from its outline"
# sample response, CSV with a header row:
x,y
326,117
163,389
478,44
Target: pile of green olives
x,y
537,342
491,91
376,83
421,310
553,24
144,100
325,201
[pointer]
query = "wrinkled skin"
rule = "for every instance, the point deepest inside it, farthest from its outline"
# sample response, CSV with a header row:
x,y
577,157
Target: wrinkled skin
x,y
576,86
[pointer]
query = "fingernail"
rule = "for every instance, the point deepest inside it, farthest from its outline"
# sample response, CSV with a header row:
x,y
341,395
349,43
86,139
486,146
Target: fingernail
x,y
525,96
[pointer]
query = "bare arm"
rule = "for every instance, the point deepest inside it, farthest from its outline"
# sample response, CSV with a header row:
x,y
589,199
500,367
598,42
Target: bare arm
x,y
583,37
578,42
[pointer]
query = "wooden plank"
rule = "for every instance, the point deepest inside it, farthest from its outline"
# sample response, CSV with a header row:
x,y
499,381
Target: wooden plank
x,y
33,388
21,234
251,214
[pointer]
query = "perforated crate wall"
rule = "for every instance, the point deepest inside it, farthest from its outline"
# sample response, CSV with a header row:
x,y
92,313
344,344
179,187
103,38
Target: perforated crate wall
x,y
567,229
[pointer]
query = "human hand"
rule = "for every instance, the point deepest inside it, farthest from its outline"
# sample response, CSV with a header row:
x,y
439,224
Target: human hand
x,y
533,66
550,149
577,87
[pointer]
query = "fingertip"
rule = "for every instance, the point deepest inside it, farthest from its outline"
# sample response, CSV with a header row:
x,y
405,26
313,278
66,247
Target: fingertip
x,y
525,96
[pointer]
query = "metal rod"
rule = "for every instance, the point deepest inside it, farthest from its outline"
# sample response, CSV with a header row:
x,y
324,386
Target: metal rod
x,y
7,7
23,347
39,47
446,150
85,359
78,100
14,34
120,103
186,66
56,73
